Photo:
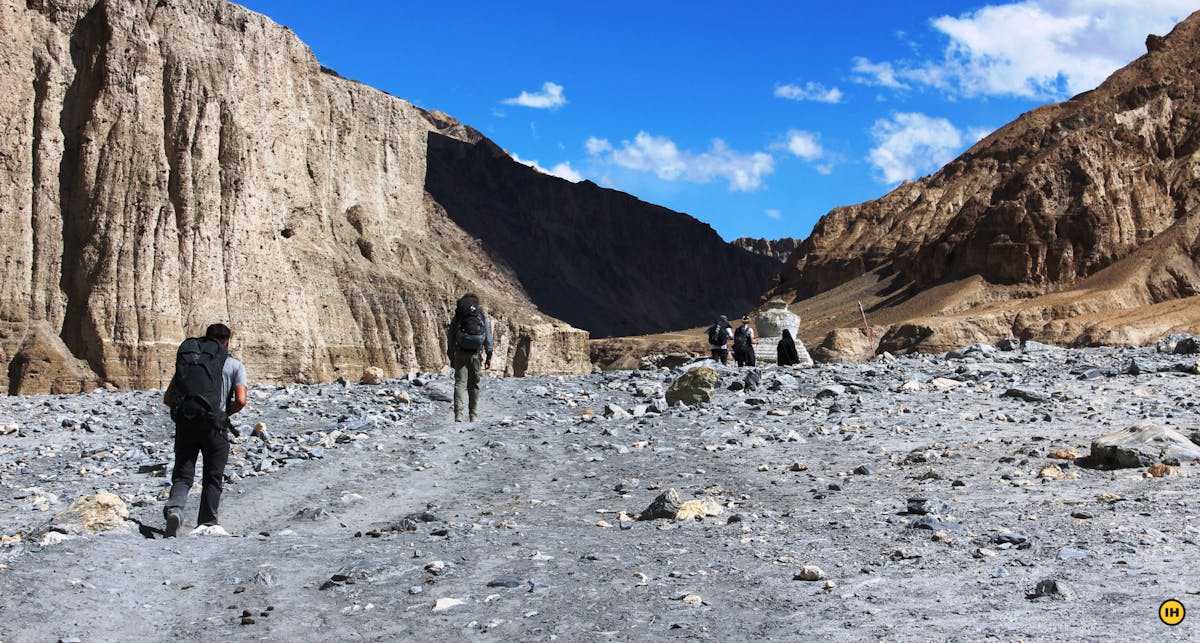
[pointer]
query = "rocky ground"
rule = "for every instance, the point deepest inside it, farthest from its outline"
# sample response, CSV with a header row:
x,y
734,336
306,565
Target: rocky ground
x,y
914,498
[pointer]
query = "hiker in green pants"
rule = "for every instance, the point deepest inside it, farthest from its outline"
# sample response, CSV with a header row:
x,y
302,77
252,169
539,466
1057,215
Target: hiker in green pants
x,y
470,338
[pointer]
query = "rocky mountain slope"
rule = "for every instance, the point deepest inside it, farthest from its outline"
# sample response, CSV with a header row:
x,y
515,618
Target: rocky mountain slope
x,y
1061,225
777,249
165,164
599,259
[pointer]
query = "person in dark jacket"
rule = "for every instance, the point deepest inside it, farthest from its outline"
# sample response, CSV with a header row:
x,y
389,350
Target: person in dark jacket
x,y
786,353
744,340
469,340
719,335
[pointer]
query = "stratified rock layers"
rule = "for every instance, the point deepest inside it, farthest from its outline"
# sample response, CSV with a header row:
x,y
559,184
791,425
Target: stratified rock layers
x,y
164,165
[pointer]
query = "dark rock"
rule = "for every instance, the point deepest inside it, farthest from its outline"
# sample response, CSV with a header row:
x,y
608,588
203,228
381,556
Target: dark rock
x,y
1051,588
1009,344
1141,445
974,350
157,467
752,380
1010,538
1188,346
1139,366
1025,394
439,393
1094,373
932,523
665,506
833,390
923,506
1170,344
865,470
511,582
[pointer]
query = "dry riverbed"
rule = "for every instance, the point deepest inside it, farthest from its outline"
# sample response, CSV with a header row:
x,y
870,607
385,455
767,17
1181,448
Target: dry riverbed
x,y
911,498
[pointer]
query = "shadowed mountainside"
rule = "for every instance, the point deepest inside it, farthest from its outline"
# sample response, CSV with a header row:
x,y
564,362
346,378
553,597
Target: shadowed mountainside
x,y
596,258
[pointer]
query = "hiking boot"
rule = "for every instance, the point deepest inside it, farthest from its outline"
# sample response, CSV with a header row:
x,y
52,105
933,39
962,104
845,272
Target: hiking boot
x,y
458,417
174,520
474,417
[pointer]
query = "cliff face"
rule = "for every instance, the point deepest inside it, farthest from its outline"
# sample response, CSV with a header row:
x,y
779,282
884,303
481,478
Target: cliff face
x,y
1096,196
777,249
166,164
599,259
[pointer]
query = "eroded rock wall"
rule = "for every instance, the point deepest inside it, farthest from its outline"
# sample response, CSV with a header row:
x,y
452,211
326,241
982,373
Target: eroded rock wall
x,y
166,164
777,249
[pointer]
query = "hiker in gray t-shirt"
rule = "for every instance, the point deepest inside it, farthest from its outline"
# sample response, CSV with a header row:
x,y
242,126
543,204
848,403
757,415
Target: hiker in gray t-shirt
x,y
200,407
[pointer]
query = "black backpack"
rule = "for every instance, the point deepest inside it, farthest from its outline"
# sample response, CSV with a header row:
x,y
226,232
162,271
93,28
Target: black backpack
x,y
716,335
471,326
741,339
197,383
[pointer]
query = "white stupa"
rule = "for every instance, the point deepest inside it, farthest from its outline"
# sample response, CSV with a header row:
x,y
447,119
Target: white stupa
x,y
770,324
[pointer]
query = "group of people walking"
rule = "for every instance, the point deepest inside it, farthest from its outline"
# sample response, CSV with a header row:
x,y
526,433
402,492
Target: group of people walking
x,y
209,386
744,339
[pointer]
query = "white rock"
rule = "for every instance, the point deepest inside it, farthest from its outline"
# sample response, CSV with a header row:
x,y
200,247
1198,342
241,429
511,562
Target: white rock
x,y
444,604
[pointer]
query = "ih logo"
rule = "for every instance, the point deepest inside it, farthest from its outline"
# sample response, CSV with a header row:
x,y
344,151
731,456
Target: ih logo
x,y
1171,612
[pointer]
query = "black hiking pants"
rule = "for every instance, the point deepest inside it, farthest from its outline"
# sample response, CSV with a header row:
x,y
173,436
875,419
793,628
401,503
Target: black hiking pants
x,y
721,355
211,442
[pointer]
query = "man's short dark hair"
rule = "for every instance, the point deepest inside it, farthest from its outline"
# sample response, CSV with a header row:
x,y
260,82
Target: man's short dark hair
x,y
219,332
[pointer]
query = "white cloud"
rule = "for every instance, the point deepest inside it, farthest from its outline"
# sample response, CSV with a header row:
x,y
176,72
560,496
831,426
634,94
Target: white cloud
x,y
551,97
810,91
597,145
565,171
562,170
659,155
1040,49
774,214
876,74
803,144
909,145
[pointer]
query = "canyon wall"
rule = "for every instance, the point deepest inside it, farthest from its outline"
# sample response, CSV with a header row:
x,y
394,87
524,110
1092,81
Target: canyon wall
x,y
166,164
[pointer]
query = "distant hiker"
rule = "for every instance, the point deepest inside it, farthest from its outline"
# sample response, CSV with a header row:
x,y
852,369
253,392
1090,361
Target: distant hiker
x,y
743,344
786,353
208,387
719,335
470,338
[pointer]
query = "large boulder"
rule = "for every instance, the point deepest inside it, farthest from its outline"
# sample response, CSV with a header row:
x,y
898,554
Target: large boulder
x,y
851,344
693,387
95,513
372,375
1141,445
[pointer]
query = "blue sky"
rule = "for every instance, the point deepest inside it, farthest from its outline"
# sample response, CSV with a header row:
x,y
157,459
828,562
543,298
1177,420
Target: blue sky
x,y
756,118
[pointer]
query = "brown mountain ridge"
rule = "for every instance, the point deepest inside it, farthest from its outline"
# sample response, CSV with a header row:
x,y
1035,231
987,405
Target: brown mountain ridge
x,y
1078,224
